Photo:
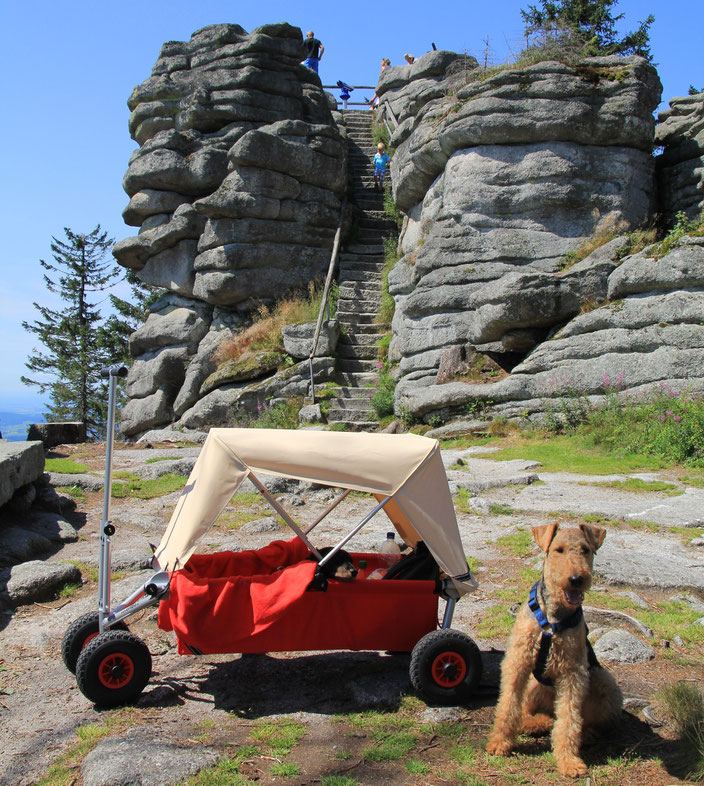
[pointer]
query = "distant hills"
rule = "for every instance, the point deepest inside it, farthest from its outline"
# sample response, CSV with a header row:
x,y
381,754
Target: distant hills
x,y
14,425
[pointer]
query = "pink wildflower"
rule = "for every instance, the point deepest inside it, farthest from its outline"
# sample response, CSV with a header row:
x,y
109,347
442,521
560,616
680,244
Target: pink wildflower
x,y
677,418
606,381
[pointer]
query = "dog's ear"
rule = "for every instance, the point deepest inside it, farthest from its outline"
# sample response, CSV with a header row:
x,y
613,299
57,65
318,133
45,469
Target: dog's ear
x,y
543,535
594,535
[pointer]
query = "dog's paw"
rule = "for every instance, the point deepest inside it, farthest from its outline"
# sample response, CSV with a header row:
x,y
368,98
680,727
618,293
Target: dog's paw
x,y
572,767
498,746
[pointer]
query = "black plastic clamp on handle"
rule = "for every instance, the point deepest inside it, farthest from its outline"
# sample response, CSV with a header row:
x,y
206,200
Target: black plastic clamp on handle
x,y
117,370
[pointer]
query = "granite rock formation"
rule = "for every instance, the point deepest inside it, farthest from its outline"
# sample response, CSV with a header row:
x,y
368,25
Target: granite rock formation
x,y
681,165
236,189
501,177
648,336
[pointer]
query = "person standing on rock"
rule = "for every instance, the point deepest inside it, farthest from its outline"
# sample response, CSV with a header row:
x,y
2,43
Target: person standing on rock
x,y
314,51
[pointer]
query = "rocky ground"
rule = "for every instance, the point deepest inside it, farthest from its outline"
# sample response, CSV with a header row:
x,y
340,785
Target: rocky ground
x,y
646,615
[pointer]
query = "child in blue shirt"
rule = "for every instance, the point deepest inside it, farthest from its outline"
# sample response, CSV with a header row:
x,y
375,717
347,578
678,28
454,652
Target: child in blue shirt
x,y
381,159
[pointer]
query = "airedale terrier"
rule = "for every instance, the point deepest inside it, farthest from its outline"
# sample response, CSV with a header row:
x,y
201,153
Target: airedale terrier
x,y
549,669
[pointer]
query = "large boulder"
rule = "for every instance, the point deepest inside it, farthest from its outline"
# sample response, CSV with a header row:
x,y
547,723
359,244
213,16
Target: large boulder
x,y
502,178
649,338
680,132
21,463
236,189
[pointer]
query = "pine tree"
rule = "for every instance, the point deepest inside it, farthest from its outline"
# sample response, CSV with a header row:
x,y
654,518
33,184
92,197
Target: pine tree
x,y
593,24
73,337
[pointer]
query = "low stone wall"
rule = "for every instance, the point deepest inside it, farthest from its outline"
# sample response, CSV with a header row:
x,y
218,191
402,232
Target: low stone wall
x,y
21,463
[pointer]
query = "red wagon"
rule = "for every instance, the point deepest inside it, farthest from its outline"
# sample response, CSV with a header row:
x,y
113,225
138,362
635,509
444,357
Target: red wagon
x,y
277,598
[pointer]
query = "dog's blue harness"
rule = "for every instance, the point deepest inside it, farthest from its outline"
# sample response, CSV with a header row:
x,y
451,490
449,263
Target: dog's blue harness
x,y
550,629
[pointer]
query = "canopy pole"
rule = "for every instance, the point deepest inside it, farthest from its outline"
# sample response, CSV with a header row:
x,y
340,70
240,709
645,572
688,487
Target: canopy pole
x,y
284,515
329,510
359,526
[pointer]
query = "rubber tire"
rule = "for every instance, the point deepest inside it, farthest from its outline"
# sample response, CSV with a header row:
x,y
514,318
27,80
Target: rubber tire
x,y
78,634
122,646
457,646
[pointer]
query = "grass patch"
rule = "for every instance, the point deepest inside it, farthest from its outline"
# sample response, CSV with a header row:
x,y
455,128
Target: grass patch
x,y
639,486
65,466
158,458
520,588
226,772
519,544
69,590
496,623
501,510
572,453
88,572
672,619
147,488
416,767
62,772
338,780
390,746
462,499
687,534
285,769
685,704
76,492
279,736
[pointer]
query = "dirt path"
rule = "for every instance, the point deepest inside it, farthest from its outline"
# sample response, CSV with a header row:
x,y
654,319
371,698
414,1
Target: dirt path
x,y
301,718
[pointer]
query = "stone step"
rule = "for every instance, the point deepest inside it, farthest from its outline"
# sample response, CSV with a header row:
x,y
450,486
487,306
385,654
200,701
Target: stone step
x,y
360,275
351,405
348,294
336,415
357,352
346,392
367,427
354,319
356,339
372,264
357,366
355,378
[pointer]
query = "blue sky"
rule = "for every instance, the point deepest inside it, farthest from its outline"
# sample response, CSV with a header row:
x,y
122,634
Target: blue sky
x,y
70,67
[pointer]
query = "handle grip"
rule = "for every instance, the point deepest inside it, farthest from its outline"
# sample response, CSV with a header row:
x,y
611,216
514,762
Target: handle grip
x,y
117,370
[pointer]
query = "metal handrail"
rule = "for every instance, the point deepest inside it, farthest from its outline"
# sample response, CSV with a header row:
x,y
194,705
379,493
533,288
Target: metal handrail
x,y
326,292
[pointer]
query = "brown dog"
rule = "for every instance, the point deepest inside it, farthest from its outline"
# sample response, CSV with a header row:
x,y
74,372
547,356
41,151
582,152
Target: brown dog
x,y
582,694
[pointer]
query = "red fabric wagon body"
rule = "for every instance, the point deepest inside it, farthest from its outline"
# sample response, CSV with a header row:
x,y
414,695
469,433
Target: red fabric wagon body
x,y
259,601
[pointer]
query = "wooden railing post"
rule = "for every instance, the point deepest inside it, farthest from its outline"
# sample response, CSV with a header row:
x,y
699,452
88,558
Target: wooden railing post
x,y
326,292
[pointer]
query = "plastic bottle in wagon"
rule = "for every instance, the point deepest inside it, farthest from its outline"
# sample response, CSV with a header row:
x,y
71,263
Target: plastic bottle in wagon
x,y
389,553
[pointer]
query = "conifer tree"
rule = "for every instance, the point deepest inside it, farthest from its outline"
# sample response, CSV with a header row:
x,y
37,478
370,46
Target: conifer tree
x,y
73,336
127,317
592,22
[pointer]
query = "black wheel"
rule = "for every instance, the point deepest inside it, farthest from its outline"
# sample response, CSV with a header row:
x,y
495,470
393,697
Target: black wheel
x,y
113,668
78,634
445,667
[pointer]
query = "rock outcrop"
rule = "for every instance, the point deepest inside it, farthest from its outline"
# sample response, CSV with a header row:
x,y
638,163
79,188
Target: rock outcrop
x,y
681,165
236,188
500,177
649,336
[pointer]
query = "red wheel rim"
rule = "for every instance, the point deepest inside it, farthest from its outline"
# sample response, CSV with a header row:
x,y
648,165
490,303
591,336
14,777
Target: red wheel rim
x,y
88,638
449,669
116,670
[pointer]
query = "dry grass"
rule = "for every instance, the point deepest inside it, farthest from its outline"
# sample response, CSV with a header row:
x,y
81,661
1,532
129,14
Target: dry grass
x,y
606,230
264,334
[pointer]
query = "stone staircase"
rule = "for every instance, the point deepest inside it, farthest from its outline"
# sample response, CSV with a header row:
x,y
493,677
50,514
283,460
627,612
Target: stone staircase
x,y
361,266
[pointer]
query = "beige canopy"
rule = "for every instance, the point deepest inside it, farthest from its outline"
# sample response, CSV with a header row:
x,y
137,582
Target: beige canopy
x,y
406,467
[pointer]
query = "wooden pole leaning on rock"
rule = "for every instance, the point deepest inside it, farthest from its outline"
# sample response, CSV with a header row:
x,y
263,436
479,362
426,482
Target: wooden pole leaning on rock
x,y
326,292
